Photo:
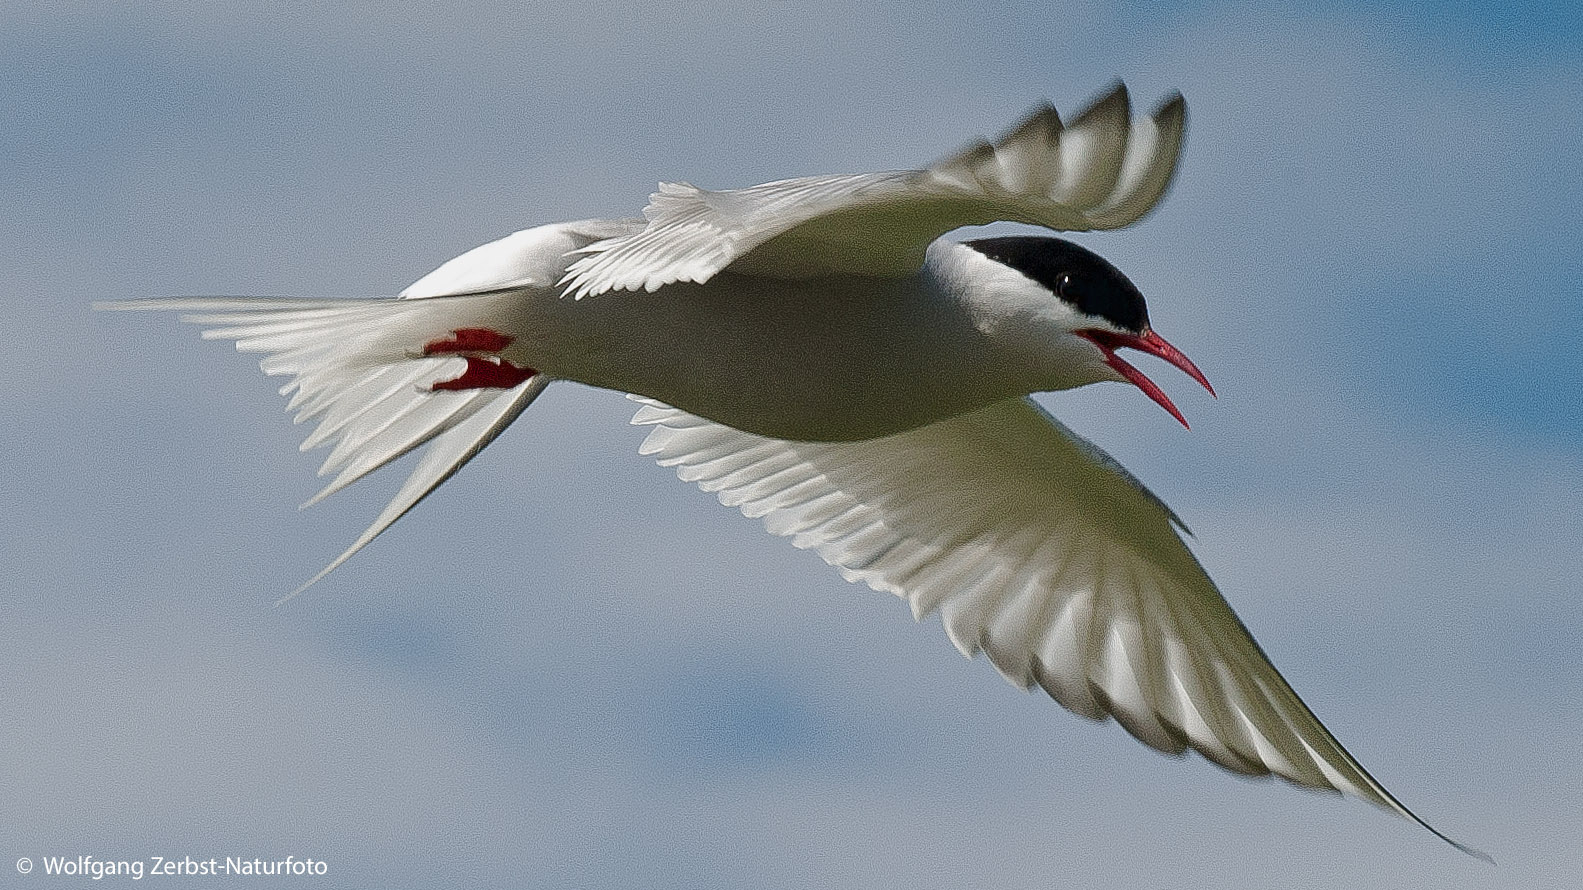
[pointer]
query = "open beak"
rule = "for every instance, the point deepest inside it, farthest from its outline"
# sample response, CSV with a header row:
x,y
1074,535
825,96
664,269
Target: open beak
x,y
1155,345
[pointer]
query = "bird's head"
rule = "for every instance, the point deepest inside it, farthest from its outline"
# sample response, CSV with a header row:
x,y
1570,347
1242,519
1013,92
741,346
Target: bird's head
x,y
1082,309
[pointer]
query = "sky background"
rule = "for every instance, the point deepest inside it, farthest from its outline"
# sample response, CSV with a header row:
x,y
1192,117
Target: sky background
x,y
567,669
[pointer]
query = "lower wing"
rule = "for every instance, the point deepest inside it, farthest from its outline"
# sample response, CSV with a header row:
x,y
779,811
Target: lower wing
x,y
1038,549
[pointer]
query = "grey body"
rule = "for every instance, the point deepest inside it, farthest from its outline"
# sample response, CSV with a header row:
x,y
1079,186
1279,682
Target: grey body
x,y
828,358
819,359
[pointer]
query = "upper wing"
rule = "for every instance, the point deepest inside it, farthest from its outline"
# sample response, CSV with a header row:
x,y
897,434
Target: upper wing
x,y
1038,549
533,257
1103,171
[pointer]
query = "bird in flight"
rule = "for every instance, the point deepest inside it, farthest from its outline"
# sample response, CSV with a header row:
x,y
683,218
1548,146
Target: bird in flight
x,y
817,353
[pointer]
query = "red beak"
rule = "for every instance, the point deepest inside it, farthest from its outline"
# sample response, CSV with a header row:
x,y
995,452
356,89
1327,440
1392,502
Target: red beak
x,y
1155,345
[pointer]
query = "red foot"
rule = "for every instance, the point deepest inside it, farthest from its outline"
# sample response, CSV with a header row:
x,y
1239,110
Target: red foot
x,y
469,340
482,373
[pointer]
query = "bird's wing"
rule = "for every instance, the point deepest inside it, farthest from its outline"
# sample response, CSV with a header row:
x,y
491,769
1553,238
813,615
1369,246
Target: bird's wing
x,y
535,257
1104,170
1038,549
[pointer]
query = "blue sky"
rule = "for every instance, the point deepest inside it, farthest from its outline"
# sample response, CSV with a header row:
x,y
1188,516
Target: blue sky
x,y
569,669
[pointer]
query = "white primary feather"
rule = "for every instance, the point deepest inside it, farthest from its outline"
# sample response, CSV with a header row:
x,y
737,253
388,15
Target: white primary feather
x,y
1039,551
1104,171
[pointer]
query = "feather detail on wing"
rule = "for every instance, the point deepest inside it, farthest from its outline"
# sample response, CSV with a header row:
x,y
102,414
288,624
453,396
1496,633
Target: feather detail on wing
x,y
1039,551
1105,170
531,258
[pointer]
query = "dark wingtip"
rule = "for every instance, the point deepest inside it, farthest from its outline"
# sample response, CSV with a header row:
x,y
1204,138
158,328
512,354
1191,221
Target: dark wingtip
x,y
1480,855
1461,847
1173,109
1402,809
1116,94
1043,116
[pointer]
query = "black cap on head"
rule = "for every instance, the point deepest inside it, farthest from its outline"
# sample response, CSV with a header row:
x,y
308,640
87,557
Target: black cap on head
x,y
1075,274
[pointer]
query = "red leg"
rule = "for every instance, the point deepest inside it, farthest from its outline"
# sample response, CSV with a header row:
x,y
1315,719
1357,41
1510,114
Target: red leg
x,y
469,340
482,373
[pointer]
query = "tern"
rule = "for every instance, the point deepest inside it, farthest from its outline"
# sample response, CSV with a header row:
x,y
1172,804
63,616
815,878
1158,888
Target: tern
x,y
821,355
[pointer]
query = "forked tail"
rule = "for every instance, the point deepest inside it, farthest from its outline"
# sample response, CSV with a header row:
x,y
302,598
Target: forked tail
x,y
379,378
